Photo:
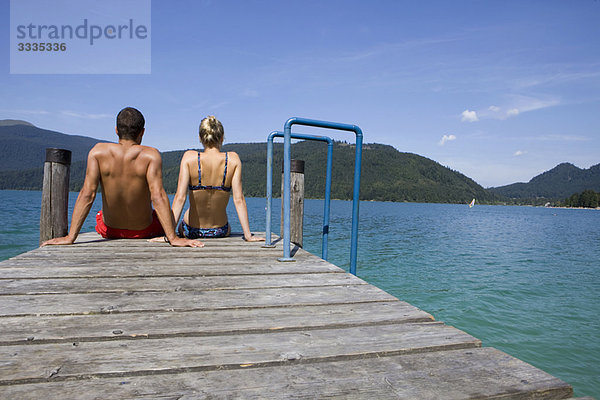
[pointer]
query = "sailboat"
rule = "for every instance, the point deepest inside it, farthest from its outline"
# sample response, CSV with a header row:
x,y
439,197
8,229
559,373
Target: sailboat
x,y
472,203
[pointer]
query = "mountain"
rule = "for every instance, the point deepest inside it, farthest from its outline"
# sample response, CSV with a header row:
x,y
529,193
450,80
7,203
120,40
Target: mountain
x,y
387,174
9,122
556,184
23,145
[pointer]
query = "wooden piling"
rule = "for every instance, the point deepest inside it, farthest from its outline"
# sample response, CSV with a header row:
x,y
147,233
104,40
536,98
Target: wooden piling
x,y
296,202
55,194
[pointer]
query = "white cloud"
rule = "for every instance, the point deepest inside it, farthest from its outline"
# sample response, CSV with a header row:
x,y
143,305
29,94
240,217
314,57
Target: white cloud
x,y
250,93
496,112
529,103
469,116
512,112
216,106
85,115
566,138
516,105
446,138
27,112
519,153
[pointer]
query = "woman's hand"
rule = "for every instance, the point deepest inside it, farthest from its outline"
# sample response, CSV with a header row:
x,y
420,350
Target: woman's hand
x,y
177,241
253,238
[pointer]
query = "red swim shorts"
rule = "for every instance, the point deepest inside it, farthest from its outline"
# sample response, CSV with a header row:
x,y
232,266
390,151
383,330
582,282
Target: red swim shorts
x,y
153,230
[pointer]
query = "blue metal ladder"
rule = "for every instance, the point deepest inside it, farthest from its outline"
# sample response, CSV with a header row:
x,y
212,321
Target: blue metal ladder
x,y
287,136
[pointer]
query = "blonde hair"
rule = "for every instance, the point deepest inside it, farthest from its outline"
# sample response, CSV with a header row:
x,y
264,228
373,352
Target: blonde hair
x,y
211,132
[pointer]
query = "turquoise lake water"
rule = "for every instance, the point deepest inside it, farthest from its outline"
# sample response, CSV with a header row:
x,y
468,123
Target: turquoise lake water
x,y
524,280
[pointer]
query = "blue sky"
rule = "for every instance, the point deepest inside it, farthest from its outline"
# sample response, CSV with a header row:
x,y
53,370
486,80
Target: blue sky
x,y
498,90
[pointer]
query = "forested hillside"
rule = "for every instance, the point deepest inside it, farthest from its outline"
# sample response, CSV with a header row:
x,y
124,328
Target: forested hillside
x,y
24,145
387,174
556,184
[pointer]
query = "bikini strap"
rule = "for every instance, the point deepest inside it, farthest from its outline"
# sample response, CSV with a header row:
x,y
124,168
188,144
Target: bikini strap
x,y
224,172
199,171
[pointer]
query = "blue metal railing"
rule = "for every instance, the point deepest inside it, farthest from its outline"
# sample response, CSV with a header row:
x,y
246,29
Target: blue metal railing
x,y
287,151
326,207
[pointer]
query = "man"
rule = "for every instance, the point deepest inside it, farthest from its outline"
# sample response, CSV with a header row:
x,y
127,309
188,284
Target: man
x,y
131,178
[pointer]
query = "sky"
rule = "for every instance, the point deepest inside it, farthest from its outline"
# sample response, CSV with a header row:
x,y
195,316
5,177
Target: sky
x,y
500,91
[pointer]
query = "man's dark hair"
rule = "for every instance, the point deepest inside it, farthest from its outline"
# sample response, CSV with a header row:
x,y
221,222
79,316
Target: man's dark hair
x,y
130,123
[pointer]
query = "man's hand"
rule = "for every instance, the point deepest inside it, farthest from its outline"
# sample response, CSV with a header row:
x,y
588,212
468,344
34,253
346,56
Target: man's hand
x,y
60,240
184,242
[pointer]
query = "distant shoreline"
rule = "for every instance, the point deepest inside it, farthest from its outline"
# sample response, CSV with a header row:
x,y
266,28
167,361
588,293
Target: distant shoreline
x,y
574,208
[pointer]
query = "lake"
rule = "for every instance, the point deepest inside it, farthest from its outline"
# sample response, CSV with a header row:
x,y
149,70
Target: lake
x,y
524,280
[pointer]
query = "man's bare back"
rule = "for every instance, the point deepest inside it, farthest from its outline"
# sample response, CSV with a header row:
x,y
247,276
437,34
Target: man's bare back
x,y
126,201
131,179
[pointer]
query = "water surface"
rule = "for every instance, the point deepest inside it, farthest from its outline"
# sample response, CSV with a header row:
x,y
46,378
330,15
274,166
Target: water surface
x,y
524,280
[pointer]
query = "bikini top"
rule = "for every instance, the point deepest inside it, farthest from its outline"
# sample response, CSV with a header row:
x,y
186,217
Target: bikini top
x,y
200,186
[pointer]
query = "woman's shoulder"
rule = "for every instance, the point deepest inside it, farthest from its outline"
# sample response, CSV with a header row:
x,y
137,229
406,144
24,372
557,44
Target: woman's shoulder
x,y
233,157
188,157
189,154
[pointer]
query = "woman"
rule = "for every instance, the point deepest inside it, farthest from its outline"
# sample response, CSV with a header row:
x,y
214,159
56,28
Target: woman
x,y
210,176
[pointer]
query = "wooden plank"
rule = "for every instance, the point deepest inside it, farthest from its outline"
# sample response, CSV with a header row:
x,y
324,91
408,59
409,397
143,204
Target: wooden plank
x,y
74,328
483,373
234,240
65,360
93,303
165,260
158,268
78,253
92,239
167,256
155,268
153,284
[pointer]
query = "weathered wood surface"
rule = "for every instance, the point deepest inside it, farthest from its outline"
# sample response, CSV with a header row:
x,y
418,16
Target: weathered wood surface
x,y
132,319
459,374
55,194
296,202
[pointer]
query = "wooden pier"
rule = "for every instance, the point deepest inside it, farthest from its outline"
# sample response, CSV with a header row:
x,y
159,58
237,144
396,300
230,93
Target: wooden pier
x,y
129,319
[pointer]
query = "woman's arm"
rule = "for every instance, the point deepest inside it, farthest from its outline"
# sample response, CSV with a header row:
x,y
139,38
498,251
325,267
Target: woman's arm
x,y
160,201
239,200
182,188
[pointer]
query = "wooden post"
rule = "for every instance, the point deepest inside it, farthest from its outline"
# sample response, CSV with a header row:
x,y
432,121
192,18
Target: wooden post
x,y
296,202
55,194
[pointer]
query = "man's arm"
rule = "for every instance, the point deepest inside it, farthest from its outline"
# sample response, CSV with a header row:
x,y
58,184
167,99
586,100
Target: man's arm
x,y
84,202
161,202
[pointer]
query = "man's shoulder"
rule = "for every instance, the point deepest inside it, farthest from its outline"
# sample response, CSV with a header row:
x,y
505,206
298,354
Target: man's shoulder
x,y
149,148
101,147
150,151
